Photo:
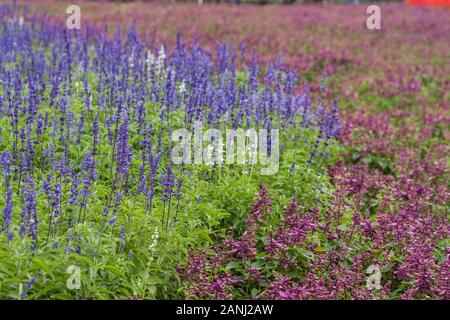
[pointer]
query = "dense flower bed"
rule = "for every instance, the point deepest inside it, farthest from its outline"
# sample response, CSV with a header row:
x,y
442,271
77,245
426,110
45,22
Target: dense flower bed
x,y
85,143
87,149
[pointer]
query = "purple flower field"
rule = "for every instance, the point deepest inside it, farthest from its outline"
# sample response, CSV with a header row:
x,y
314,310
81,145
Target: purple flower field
x,y
177,151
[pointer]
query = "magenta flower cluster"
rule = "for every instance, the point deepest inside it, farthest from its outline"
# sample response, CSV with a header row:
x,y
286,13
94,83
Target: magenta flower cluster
x,y
324,255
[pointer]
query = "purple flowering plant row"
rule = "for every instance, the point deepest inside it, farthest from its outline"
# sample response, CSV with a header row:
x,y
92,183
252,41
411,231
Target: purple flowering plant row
x,y
93,206
86,161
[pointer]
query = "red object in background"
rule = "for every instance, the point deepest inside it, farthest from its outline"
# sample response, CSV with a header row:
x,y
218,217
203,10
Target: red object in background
x,y
430,3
